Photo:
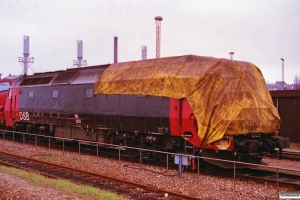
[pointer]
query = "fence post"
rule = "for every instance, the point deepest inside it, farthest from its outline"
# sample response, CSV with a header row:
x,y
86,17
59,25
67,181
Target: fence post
x,y
198,170
140,157
79,151
277,181
119,153
180,166
234,174
167,162
97,152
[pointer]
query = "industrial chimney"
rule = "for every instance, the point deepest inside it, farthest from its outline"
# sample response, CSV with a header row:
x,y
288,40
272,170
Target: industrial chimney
x,y
231,55
79,52
282,72
79,62
26,60
115,49
144,52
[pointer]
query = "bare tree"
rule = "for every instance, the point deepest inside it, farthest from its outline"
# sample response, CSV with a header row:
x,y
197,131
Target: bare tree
x,y
297,82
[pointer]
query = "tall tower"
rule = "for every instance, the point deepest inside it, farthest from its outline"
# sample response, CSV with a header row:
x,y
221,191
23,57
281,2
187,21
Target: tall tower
x,y
79,62
282,72
158,20
115,49
144,52
231,55
26,60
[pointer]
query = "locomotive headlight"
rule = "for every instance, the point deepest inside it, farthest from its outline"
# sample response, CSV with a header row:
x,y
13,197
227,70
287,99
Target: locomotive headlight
x,y
234,153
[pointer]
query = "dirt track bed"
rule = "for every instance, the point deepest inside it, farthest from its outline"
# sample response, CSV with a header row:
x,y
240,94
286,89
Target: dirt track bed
x,y
208,187
13,187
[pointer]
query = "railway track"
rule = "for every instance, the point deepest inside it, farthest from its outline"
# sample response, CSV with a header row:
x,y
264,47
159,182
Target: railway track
x,y
256,175
267,176
293,155
287,154
104,182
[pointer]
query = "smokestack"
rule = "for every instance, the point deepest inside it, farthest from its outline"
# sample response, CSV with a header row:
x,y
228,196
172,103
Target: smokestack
x,y
26,59
26,46
26,53
115,49
79,62
79,52
144,52
231,55
0,76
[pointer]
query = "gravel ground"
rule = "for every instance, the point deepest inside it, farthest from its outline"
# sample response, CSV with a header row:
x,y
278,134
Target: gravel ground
x,y
207,187
13,187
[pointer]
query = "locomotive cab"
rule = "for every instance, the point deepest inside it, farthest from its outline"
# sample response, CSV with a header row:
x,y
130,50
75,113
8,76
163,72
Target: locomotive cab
x,y
4,92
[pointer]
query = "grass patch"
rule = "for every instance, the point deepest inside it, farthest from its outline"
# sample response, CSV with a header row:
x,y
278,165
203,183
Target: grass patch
x,y
66,187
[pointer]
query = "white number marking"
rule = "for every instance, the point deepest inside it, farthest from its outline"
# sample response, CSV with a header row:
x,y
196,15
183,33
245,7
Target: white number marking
x,y
24,116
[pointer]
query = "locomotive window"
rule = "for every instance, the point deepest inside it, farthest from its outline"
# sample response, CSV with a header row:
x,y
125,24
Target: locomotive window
x,y
26,81
89,93
55,94
46,80
35,81
31,94
4,86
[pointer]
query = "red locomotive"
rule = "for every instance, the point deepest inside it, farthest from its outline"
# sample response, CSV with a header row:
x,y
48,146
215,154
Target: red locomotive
x,y
189,104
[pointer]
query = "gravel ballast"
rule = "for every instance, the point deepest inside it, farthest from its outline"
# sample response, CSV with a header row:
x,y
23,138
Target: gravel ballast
x,y
208,187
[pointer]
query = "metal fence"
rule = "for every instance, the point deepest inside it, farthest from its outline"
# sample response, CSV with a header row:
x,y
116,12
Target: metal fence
x,y
140,150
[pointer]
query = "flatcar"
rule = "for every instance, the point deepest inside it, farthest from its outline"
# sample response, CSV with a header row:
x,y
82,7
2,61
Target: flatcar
x,y
189,104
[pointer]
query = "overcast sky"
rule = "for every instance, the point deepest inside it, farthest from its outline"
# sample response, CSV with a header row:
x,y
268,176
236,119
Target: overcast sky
x,y
258,31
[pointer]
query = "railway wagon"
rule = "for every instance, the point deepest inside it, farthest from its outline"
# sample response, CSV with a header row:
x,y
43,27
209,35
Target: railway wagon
x,y
190,104
287,103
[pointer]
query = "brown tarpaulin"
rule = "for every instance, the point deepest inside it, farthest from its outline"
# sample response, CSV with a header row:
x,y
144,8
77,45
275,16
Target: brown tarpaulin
x,y
227,97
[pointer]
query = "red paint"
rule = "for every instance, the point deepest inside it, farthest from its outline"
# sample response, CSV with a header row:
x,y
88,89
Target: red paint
x,y
3,97
12,107
182,121
175,117
231,145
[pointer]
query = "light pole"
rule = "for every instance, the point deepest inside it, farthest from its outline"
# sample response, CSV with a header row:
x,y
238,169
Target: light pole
x,y
282,73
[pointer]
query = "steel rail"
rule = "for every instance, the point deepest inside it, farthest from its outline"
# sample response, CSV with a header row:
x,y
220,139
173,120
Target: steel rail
x,y
138,185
